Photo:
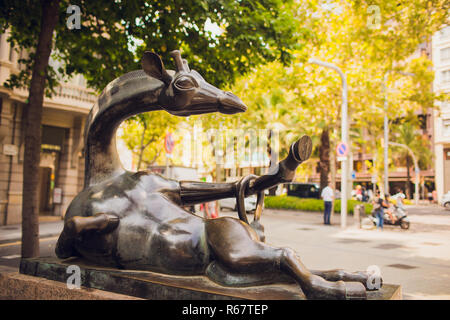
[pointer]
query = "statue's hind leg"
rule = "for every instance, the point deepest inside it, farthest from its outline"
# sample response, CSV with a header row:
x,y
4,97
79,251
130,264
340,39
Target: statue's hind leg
x,y
74,226
358,276
235,245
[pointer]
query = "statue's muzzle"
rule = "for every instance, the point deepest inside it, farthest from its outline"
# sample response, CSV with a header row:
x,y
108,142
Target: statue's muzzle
x,y
229,103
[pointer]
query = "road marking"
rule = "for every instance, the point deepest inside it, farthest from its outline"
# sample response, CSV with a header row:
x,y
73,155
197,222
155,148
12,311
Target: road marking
x,y
20,242
13,256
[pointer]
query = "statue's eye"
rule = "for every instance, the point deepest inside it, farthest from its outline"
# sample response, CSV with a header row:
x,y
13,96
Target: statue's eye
x,y
184,83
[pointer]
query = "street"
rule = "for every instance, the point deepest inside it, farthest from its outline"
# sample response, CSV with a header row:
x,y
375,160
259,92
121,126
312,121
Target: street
x,y
10,252
417,259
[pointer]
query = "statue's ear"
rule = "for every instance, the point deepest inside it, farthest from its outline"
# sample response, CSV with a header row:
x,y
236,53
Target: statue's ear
x,y
154,67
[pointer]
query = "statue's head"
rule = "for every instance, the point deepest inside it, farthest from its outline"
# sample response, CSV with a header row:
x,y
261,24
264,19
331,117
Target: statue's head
x,y
186,92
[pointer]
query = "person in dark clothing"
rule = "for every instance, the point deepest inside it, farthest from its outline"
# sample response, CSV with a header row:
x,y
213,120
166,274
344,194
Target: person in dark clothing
x,y
379,204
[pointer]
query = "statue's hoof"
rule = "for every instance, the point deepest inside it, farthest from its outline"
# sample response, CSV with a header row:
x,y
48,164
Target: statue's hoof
x,y
101,222
302,148
111,224
355,291
370,282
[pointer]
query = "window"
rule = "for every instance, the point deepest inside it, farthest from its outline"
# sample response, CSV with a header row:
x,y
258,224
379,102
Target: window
x,y
53,138
447,154
446,127
423,121
444,33
445,107
445,54
358,165
445,76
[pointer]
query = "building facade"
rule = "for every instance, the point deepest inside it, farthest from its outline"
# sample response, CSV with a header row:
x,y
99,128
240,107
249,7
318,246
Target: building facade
x,y
441,63
61,169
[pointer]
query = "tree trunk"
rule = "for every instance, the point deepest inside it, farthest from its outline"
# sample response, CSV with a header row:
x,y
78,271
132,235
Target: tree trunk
x,y
408,179
141,147
272,191
324,158
332,177
32,125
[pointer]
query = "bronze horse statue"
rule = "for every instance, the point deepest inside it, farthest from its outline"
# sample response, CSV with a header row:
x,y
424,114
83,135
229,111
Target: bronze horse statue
x,y
136,220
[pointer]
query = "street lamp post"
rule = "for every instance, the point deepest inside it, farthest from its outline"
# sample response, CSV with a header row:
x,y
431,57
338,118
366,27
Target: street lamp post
x,y
344,137
386,128
386,137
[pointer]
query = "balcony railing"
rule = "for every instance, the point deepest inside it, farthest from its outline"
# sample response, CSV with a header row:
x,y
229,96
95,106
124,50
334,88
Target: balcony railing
x,y
77,93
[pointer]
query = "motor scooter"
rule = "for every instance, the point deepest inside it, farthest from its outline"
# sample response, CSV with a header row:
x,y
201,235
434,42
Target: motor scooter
x,y
401,219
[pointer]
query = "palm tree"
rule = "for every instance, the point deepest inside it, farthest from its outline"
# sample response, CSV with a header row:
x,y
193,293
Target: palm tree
x,y
407,133
324,157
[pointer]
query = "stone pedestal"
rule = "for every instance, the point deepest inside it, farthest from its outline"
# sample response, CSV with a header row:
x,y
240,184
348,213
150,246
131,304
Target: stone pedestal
x,y
15,286
156,286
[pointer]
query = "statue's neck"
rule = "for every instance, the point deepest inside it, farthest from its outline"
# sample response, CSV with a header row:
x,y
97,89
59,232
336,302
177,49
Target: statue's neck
x,y
117,103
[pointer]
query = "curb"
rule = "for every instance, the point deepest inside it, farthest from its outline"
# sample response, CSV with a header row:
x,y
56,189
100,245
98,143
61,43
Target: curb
x,y
47,235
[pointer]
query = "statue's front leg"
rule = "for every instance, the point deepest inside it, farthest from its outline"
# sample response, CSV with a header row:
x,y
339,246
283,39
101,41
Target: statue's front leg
x,y
194,192
369,280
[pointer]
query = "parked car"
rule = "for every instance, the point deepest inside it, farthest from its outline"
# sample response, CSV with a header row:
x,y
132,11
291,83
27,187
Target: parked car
x,y
230,204
303,190
446,200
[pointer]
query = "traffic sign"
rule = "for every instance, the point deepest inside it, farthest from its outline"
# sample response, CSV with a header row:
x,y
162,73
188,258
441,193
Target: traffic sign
x,y
10,150
57,195
169,143
342,149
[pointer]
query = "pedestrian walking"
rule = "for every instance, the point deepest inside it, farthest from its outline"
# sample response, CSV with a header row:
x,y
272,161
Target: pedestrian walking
x,y
434,195
430,197
370,195
378,207
327,195
358,193
400,198
365,194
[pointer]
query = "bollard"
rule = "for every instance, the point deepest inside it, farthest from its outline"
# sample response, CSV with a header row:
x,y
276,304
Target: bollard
x,y
358,211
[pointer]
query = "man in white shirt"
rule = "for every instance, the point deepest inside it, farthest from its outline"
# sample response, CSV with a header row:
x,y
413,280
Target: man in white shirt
x,y
327,195
400,197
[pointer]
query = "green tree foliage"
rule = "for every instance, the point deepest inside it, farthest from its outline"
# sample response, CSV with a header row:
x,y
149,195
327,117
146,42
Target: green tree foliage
x,y
309,204
408,133
144,135
220,39
365,49
392,29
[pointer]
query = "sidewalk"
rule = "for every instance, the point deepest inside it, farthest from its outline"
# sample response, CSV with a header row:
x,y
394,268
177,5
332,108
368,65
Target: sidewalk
x,y
417,259
13,233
